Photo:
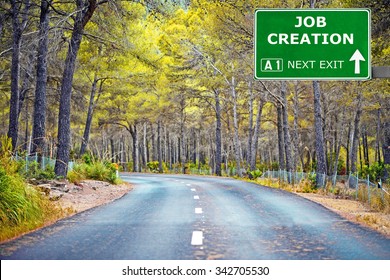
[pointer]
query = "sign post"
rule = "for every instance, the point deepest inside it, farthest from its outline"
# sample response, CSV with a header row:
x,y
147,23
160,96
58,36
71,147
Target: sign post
x,y
312,44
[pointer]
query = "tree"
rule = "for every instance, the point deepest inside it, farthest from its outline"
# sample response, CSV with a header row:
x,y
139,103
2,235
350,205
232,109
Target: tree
x,y
286,130
321,169
91,107
19,11
84,12
39,118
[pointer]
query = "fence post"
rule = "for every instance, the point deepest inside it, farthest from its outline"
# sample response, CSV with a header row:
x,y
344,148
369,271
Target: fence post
x,y
323,180
26,163
357,186
368,190
382,191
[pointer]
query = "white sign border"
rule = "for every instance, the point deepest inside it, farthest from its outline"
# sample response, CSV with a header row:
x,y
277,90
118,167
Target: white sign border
x,y
314,78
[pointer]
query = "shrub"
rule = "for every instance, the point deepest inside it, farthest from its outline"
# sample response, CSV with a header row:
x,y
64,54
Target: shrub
x,y
22,208
34,171
77,174
255,174
153,166
375,171
96,171
87,158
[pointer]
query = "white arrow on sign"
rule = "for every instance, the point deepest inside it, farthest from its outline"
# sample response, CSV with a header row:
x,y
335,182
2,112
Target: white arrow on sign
x,y
357,57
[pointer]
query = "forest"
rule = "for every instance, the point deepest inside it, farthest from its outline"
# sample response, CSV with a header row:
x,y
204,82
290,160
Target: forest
x,y
167,85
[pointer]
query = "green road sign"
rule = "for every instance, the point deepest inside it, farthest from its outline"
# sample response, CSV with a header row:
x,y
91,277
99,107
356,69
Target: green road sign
x,y
312,44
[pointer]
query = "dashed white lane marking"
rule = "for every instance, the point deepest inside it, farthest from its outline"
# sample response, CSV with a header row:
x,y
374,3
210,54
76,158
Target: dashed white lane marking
x,y
188,185
198,211
193,190
197,238
196,196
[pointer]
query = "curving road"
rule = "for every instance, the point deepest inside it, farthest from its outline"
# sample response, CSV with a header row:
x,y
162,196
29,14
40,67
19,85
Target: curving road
x,y
191,217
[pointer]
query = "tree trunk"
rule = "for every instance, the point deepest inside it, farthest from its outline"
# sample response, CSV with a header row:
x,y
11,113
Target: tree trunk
x,y
256,133
170,152
112,150
296,138
85,10
281,149
27,77
348,149
218,134
250,126
159,150
39,126
338,143
319,144
356,133
378,137
360,154
17,31
386,148
236,139
286,130
365,147
91,108
194,146
145,145
134,134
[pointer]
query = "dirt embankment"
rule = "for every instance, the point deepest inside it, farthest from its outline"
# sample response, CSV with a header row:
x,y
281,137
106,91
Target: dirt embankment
x,y
89,194
354,211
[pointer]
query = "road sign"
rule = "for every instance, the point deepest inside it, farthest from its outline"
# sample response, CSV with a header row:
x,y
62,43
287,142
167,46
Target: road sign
x,y
312,44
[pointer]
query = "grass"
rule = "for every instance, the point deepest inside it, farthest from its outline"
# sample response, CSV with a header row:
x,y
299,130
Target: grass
x,y
374,198
95,171
22,207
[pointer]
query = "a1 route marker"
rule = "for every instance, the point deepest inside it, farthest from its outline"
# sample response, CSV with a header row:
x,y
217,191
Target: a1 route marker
x,y
312,44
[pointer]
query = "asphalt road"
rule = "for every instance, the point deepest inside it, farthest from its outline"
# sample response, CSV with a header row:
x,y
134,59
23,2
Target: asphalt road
x,y
191,217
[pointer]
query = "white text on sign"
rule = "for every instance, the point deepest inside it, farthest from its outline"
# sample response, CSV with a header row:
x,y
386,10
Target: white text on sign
x,y
313,64
312,38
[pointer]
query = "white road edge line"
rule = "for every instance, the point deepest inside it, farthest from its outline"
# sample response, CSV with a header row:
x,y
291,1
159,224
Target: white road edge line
x,y
198,211
197,238
196,196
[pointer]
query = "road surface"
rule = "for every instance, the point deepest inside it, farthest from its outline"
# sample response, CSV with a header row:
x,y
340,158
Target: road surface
x,y
181,217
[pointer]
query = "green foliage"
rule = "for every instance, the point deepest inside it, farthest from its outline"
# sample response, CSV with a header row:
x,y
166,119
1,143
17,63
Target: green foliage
x,y
153,166
255,174
22,208
375,171
87,158
9,165
274,165
17,201
312,178
97,170
77,174
34,171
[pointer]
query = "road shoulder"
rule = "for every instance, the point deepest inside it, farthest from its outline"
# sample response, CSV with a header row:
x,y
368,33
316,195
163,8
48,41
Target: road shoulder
x,y
354,211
